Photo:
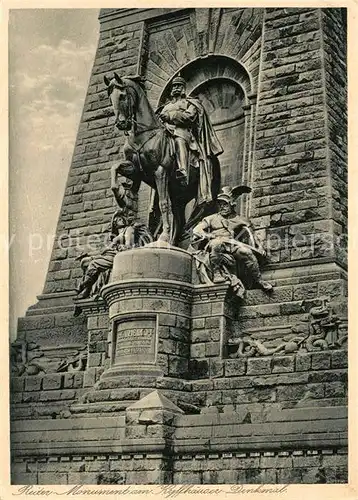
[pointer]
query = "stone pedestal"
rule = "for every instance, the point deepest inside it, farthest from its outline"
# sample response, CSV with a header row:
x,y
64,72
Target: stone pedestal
x,y
149,298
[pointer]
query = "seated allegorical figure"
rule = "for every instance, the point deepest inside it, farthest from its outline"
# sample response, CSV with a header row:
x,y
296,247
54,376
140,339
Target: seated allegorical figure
x,y
225,247
125,234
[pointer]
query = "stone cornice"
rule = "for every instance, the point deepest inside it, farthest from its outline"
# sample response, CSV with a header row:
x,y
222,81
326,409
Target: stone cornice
x,y
139,287
129,16
91,306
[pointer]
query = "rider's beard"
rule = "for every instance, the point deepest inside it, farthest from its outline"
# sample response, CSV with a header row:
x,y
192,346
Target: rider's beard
x,y
178,94
226,211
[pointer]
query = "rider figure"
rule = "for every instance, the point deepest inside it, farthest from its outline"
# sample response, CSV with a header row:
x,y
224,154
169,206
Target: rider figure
x,y
195,140
179,117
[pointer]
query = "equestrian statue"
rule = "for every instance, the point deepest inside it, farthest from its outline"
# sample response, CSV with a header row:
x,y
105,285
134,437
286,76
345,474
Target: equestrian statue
x,y
174,151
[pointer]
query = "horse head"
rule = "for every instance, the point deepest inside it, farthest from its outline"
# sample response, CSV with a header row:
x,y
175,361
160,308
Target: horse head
x,y
122,101
130,105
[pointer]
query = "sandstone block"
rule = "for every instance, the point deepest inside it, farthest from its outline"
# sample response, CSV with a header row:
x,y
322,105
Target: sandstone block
x,y
19,477
95,359
289,476
187,478
82,478
234,367
315,391
17,384
339,359
200,335
178,366
28,397
52,381
199,368
69,394
202,310
167,319
306,291
89,377
258,366
216,368
36,322
52,478
289,393
213,322
321,360
282,364
303,362
261,476
198,350
182,349
17,397
198,323
212,349
275,462
124,394
335,389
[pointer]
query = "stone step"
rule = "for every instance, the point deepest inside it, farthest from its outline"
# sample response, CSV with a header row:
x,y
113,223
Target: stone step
x,y
105,407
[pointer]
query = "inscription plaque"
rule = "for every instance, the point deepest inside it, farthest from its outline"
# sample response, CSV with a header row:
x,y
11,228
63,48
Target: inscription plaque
x,y
135,342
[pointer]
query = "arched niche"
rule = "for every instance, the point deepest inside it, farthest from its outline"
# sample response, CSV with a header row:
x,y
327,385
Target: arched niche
x,y
223,100
211,67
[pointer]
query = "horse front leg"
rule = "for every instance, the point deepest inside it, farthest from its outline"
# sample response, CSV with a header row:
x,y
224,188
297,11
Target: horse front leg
x,y
125,168
161,181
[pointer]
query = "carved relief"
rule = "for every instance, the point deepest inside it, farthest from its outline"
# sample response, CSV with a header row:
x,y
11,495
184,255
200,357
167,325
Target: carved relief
x,y
321,332
22,358
28,358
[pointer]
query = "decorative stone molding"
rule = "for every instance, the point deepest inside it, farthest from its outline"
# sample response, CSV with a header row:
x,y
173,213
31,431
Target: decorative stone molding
x,y
135,288
91,306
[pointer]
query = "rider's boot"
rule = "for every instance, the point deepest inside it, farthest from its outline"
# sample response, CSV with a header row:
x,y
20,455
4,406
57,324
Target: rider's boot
x,y
85,287
253,269
182,159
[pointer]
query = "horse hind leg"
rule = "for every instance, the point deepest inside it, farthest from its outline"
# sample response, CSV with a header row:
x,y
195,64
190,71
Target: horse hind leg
x,y
161,181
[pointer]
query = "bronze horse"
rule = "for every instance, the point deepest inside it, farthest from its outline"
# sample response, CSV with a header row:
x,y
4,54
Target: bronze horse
x,y
149,157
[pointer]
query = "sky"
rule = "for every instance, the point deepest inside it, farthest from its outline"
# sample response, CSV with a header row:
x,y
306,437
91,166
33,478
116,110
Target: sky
x,y
51,53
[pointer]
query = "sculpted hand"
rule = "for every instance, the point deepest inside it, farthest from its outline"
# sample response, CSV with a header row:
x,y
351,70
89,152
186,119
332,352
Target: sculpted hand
x,y
164,116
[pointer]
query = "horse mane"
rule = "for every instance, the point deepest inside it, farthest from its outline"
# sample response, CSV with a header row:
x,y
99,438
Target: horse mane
x,y
142,105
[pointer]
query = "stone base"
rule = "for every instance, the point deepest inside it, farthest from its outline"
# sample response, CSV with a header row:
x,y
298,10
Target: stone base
x,y
224,397
153,442
143,371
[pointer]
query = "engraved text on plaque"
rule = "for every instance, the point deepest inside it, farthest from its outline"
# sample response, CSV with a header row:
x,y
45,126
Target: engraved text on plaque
x,y
135,341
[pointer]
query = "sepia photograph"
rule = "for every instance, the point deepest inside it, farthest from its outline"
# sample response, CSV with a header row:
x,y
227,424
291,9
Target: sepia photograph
x,y
178,279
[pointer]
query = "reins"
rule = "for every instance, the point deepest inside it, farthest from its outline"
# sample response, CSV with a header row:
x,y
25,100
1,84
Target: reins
x,y
135,124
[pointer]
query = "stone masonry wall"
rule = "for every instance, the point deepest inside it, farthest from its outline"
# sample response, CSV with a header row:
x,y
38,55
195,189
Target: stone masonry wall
x,y
335,64
254,384
292,185
298,155
213,447
299,466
